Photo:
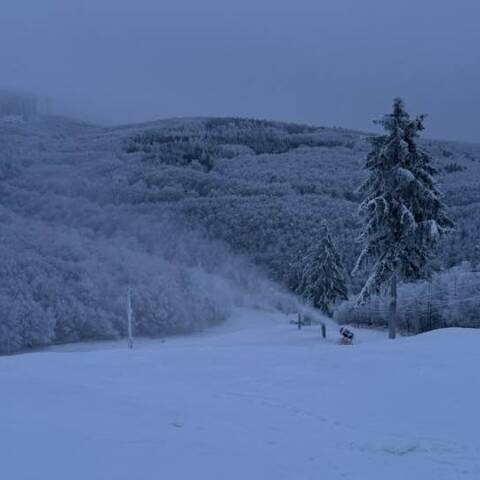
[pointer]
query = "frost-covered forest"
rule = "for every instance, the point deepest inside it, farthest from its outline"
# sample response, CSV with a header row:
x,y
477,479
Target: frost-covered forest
x,y
265,187
449,298
196,215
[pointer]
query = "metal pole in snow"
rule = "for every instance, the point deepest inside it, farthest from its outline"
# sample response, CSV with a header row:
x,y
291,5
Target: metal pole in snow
x,y
129,318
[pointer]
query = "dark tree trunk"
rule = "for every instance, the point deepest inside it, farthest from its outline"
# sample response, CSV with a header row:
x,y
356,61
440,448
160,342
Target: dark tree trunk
x,y
392,320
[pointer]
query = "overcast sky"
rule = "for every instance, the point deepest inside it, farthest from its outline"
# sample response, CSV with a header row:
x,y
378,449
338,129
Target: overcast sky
x,y
326,62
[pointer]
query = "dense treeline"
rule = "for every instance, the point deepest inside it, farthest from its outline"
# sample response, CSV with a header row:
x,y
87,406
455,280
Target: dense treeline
x,y
269,186
61,284
450,298
69,251
86,211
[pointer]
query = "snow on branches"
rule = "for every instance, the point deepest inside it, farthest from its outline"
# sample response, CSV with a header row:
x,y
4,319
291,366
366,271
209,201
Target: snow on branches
x,y
404,216
322,280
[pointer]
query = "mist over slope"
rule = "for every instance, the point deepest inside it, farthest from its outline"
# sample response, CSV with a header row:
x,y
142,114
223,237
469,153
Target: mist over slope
x,y
87,211
69,250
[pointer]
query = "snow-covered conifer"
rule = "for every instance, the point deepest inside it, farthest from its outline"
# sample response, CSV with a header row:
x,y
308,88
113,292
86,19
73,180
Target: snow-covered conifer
x,y
404,216
322,280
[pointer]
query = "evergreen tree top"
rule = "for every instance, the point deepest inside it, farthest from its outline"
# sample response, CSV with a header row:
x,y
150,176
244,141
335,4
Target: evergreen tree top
x,y
404,215
322,280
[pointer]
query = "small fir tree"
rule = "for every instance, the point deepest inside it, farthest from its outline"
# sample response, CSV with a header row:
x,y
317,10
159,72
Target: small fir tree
x,y
322,279
404,216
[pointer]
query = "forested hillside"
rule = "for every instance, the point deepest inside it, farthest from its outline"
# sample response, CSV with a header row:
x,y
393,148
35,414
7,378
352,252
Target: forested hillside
x,y
86,211
265,187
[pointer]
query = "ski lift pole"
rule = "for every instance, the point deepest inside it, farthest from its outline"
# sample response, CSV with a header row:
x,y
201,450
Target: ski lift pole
x,y
129,318
324,330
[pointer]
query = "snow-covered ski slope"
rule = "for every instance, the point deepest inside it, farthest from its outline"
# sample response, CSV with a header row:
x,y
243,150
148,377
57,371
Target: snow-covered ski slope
x,y
252,399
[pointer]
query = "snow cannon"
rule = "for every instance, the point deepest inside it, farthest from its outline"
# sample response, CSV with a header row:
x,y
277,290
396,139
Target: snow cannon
x,y
347,336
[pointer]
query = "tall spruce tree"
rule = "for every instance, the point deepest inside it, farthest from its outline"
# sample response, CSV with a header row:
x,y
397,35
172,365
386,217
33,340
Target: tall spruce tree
x,y
322,279
404,216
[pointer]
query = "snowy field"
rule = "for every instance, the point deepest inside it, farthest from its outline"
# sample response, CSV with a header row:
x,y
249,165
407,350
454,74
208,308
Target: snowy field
x,y
252,399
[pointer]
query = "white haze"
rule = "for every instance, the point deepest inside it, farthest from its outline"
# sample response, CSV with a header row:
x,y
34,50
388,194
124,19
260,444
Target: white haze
x,y
333,62
70,248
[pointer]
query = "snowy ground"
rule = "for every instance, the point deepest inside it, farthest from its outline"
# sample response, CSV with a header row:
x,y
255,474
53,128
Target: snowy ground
x,y
253,399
